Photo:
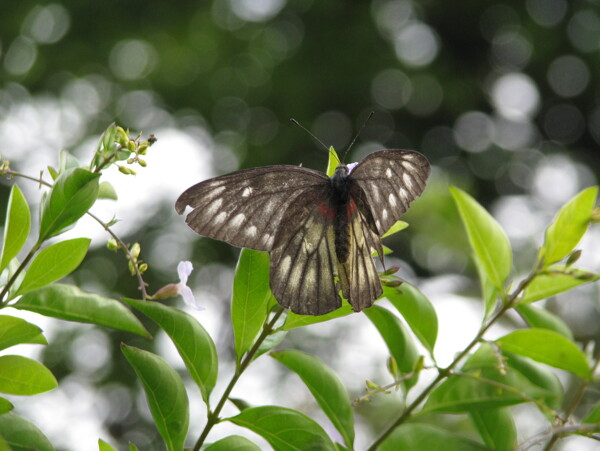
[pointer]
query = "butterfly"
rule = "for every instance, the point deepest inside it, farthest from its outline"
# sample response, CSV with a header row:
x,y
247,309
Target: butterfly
x,y
316,228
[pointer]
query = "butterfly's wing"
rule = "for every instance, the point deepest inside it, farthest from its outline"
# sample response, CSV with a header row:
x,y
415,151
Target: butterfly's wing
x,y
358,276
245,208
303,261
391,180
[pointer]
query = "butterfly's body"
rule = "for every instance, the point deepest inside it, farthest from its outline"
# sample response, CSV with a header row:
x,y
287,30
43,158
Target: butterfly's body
x,y
316,228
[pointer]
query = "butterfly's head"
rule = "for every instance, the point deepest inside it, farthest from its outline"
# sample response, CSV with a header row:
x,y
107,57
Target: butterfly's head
x,y
341,172
338,180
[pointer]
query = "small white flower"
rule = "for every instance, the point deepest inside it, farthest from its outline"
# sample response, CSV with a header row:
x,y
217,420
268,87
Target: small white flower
x,y
184,269
351,166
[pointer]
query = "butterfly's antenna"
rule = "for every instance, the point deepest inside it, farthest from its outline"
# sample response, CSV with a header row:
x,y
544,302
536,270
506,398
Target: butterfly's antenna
x,y
357,134
294,121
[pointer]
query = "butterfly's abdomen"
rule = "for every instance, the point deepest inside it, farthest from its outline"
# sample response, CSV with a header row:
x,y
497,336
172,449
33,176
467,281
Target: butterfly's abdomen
x,y
344,208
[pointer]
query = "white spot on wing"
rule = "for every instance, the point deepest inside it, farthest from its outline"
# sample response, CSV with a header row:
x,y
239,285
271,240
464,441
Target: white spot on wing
x,y
392,200
409,166
217,191
247,191
407,179
268,239
384,214
251,231
389,173
214,207
220,217
284,267
238,220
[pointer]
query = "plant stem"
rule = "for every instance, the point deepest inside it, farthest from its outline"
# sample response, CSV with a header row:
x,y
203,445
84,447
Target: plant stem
x,y
141,283
21,267
557,434
213,417
445,372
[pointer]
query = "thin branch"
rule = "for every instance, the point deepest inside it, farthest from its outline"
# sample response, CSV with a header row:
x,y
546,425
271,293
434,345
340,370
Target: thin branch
x,y
509,389
105,226
142,284
560,431
12,280
574,403
384,388
213,417
508,303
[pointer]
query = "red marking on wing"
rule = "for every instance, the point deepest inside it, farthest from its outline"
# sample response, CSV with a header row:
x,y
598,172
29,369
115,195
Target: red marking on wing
x,y
351,208
327,210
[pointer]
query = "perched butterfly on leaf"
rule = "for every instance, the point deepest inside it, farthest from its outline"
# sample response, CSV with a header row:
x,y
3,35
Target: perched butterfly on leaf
x,y
316,228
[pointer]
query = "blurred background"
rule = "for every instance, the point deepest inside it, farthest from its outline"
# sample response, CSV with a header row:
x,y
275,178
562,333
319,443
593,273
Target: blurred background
x,y
501,96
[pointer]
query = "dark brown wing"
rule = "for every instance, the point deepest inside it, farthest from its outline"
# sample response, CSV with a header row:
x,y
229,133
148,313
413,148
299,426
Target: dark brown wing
x,y
246,208
391,180
358,276
303,262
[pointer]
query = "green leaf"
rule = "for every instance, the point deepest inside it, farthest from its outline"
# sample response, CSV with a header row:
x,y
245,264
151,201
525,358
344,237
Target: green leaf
x,y
399,342
463,393
22,376
107,191
72,304
132,447
416,310
72,195
395,228
103,446
250,297
233,443
5,406
294,320
54,263
285,429
325,386
165,393
539,317
425,437
459,394
21,435
539,375
488,241
193,343
332,162
16,227
67,161
547,347
53,172
489,292
14,331
496,427
272,340
396,337
594,416
571,222
556,280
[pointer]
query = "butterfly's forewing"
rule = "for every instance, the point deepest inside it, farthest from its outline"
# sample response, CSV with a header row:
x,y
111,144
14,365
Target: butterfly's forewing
x,y
391,180
246,208
303,261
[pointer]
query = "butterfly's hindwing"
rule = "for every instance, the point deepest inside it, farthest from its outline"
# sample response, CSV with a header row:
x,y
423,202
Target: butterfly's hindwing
x,y
303,262
245,208
358,275
391,180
